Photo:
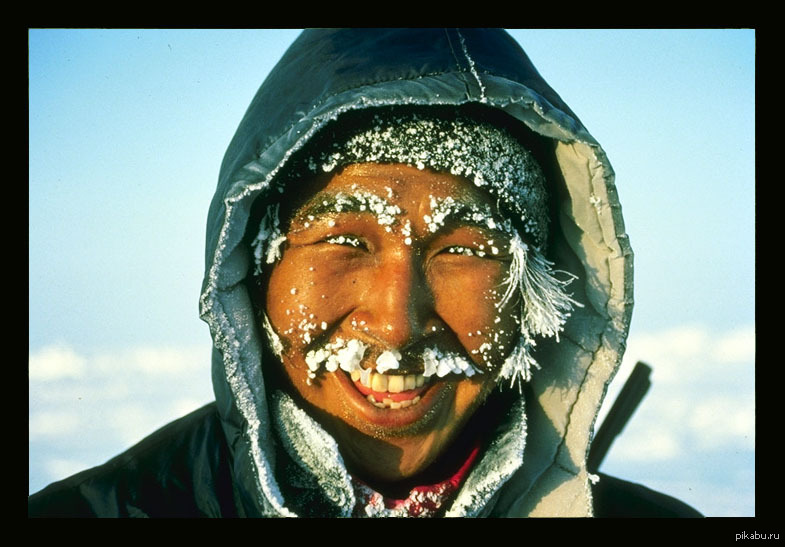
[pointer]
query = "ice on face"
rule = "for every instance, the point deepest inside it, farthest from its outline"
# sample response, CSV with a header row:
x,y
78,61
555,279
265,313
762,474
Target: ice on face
x,y
314,358
477,214
487,155
441,363
334,355
267,244
349,358
443,367
431,362
388,360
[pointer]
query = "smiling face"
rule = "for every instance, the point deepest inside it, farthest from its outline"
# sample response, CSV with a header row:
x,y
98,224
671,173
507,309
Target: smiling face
x,y
385,301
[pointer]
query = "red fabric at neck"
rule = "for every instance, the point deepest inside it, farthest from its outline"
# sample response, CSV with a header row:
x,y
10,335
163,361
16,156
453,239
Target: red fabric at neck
x,y
423,501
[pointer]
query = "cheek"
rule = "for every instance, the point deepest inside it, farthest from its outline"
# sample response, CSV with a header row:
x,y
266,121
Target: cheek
x,y
306,295
466,299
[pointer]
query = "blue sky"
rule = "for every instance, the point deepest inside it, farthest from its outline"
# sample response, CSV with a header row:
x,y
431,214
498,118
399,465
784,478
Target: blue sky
x,y
127,132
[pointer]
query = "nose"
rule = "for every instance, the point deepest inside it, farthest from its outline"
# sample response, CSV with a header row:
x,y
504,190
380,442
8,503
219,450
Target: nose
x,y
398,306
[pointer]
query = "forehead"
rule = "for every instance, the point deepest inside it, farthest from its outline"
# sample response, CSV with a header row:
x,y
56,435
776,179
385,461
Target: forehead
x,y
406,180
389,189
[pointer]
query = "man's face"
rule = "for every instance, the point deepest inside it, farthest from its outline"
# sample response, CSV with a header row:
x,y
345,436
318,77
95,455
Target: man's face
x,y
394,269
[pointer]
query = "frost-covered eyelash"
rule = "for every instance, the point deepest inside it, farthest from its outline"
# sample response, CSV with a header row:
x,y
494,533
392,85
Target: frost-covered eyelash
x,y
469,251
461,250
345,240
465,251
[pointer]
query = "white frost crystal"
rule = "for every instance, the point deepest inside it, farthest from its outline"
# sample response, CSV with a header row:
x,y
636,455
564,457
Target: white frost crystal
x,y
441,364
347,356
275,341
482,215
388,360
267,243
545,305
339,354
487,155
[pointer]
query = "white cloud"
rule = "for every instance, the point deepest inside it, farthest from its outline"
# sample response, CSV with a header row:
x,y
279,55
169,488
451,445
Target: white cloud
x,y
183,406
702,396
653,444
156,361
53,424
723,421
55,363
692,354
102,402
131,422
736,347
60,361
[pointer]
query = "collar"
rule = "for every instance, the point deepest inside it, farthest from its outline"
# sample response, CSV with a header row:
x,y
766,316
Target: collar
x,y
423,501
321,473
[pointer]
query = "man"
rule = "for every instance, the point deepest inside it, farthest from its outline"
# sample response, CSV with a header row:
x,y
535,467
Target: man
x,y
418,286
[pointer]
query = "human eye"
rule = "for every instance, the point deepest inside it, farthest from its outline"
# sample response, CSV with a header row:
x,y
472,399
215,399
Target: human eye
x,y
486,250
463,251
347,241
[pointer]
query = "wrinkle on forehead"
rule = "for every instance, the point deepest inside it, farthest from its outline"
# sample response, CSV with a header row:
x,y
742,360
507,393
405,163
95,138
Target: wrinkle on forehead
x,y
377,184
461,208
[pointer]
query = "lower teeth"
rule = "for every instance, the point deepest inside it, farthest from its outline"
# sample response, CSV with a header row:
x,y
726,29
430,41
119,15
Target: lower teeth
x,y
388,403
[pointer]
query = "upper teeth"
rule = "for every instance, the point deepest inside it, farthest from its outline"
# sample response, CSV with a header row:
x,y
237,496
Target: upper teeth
x,y
391,384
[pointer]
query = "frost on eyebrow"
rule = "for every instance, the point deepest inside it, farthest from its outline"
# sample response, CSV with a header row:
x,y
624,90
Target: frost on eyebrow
x,y
358,201
267,243
486,155
449,209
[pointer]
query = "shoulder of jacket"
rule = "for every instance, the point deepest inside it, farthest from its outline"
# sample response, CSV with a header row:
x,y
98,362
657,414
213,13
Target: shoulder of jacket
x,y
159,476
615,497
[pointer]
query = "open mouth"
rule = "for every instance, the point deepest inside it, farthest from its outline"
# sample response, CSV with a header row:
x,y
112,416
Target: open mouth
x,y
380,387
390,391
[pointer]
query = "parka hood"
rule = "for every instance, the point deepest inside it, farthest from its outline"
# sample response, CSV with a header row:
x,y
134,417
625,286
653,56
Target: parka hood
x,y
326,74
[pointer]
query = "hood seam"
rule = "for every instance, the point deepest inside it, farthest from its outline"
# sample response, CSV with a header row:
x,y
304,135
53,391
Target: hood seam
x,y
472,66
461,70
554,463
580,390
